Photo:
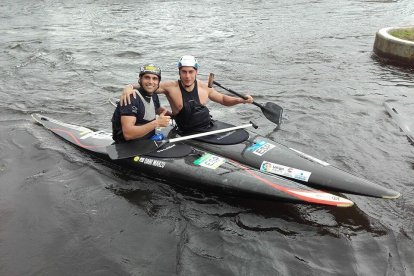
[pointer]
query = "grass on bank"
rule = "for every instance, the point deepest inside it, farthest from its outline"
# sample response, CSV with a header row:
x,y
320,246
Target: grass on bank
x,y
407,34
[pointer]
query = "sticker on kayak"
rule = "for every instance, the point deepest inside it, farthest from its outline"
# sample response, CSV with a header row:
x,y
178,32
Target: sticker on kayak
x,y
285,171
260,147
307,156
210,161
322,196
150,162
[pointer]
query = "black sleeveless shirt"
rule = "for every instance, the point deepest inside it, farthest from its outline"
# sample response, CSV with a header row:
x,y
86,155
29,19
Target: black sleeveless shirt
x,y
193,117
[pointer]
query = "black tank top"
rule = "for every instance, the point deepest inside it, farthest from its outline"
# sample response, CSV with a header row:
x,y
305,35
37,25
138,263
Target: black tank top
x,y
193,117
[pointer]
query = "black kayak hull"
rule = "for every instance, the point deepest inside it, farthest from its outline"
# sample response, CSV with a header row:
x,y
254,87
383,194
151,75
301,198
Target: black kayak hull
x,y
271,157
199,167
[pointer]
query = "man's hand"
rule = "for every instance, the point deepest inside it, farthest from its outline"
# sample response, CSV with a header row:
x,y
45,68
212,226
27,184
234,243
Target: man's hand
x,y
249,99
164,110
125,98
163,120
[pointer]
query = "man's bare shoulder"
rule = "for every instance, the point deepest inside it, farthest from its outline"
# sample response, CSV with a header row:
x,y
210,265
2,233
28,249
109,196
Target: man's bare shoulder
x,y
201,83
203,86
167,86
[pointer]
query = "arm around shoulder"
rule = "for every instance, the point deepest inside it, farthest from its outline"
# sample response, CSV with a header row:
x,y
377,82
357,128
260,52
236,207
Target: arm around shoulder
x,y
165,87
128,90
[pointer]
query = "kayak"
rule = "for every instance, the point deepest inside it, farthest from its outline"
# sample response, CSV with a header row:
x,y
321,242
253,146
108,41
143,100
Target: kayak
x,y
404,122
180,162
268,156
277,159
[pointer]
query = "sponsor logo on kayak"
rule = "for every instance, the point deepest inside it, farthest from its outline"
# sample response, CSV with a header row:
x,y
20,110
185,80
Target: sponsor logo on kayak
x,y
210,161
319,195
285,171
167,148
260,147
225,135
150,162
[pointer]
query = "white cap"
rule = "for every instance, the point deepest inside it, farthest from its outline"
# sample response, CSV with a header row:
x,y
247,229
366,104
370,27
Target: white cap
x,y
188,61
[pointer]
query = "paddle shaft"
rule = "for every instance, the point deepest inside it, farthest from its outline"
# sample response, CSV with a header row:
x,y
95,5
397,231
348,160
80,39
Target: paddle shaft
x,y
187,137
142,147
236,93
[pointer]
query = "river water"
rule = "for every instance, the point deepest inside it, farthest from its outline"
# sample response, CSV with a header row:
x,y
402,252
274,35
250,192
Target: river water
x,y
64,213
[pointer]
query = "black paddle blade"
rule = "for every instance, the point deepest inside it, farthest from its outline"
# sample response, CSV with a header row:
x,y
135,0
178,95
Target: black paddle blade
x,y
272,112
132,148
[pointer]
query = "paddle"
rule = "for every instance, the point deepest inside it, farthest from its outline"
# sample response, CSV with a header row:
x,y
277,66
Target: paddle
x,y
272,111
142,147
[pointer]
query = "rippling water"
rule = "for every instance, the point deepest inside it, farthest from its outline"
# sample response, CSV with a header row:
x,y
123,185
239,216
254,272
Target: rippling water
x,y
64,213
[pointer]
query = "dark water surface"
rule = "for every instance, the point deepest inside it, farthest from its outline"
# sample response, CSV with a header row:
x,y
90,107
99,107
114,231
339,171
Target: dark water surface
x,y
64,213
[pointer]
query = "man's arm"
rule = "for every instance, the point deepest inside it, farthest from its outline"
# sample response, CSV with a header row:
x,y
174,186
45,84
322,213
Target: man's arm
x,y
226,100
129,89
131,131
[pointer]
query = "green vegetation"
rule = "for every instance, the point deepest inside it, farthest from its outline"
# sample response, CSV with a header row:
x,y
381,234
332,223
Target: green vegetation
x,y
407,34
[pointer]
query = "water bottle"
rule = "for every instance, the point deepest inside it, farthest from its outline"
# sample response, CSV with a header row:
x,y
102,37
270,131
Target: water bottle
x,y
158,136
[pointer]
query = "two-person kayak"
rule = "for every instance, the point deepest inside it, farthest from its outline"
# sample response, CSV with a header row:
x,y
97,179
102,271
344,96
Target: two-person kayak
x,y
274,158
268,157
180,162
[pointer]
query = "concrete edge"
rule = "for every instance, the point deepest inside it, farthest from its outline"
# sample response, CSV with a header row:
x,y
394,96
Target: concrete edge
x,y
385,33
394,49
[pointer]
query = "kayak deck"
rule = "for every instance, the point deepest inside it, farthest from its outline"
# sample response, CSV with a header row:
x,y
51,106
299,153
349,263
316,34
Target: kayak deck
x,y
200,167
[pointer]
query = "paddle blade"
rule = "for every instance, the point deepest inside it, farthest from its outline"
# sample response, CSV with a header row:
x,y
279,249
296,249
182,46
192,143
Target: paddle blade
x,y
130,149
272,112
